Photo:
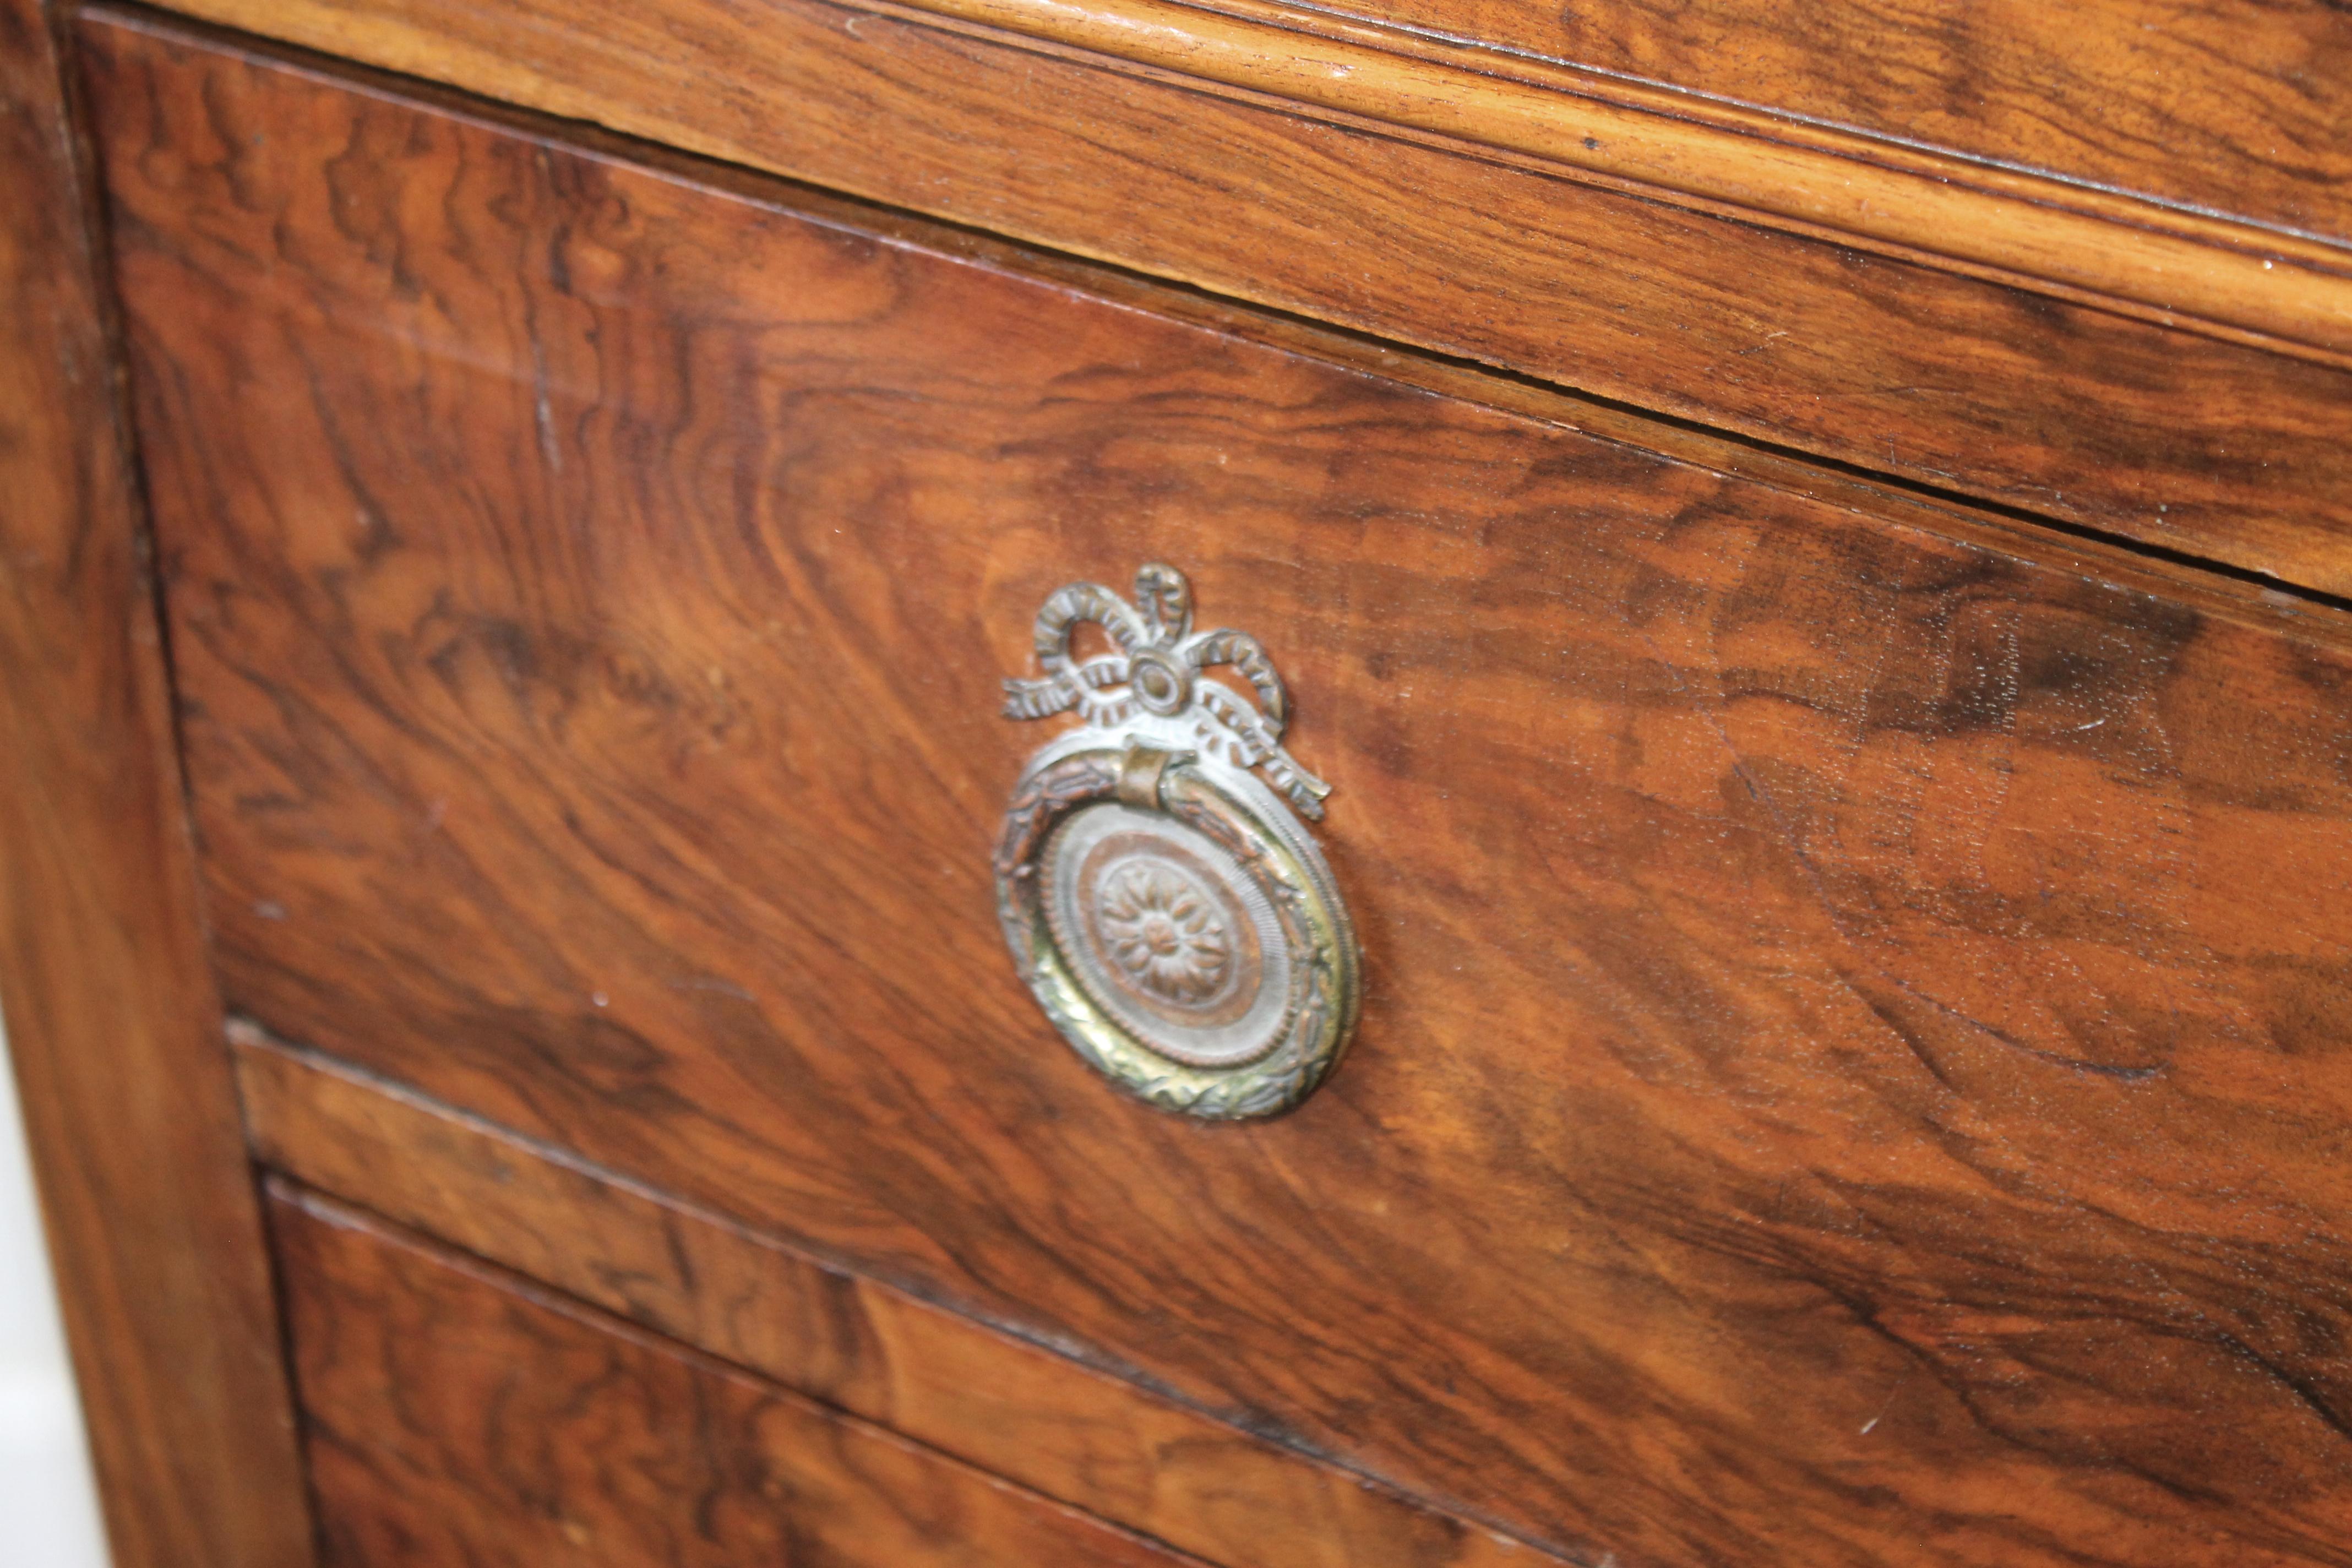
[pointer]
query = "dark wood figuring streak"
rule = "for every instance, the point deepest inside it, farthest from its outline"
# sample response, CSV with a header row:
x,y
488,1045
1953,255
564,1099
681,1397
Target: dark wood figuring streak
x,y
2235,106
1853,1068
1015,1409
2216,448
453,1416
111,1017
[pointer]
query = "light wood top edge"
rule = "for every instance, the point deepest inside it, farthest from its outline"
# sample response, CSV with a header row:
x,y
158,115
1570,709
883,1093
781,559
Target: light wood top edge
x,y
2189,269
2046,187
2236,281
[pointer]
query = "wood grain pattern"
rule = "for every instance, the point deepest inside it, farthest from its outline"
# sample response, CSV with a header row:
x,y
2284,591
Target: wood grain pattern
x,y
2198,270
2204,270
2237,106
454,1417
1853,1069
1016,1409
111,1017
2201,271
2210,447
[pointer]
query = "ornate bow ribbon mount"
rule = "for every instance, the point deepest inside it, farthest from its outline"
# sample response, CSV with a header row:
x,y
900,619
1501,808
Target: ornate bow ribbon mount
x,y
1156,671
1171,915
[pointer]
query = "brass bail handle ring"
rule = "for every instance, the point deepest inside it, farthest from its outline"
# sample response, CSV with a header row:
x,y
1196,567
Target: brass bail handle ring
x,y
1160,895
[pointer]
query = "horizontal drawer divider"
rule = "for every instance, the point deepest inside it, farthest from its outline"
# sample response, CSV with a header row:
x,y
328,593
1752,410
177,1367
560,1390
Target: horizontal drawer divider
x,y
985,1395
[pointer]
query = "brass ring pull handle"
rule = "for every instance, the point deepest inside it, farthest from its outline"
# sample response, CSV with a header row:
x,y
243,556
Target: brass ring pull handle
x,y
1171,914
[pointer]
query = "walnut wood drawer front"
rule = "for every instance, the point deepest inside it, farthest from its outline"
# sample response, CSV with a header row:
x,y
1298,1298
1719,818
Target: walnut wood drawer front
x,y
1853,1060
456,1417
2093,377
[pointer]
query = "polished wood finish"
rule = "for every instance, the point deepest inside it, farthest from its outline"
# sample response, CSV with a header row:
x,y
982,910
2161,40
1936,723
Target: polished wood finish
x,y
111,1017
1021,1410
2208,447
2197,268
2281,289
2236,106
458,1416
1852,1070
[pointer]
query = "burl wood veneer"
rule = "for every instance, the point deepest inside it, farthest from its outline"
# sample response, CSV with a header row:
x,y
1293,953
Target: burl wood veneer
x,y
1028,1412
1853,1063
1447,210
455,1416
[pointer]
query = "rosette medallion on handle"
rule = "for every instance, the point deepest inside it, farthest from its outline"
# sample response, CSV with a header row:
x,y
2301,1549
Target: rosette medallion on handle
x,y
1171,912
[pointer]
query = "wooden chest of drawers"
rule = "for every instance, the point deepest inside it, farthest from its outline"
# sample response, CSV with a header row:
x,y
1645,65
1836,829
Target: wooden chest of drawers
x,y
1815,587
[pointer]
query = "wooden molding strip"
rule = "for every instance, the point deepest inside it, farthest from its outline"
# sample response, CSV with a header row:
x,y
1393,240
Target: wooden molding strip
x,y
2180,267
2075,409
1082,1436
